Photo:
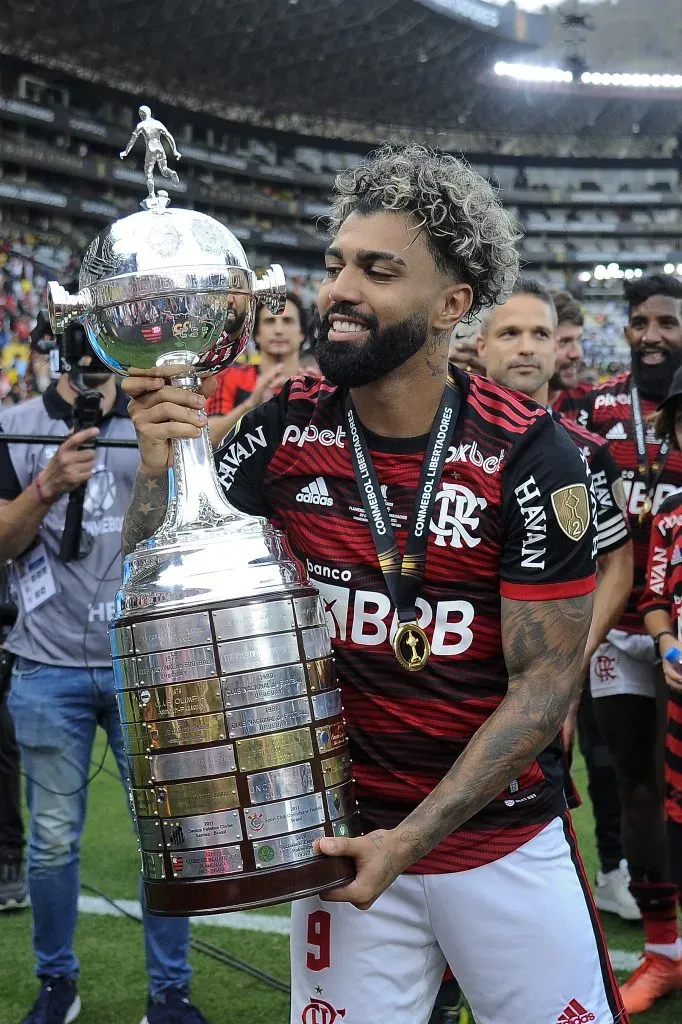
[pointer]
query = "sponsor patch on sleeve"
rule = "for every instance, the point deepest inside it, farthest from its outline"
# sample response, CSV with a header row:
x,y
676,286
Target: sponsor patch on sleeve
x,y
572,509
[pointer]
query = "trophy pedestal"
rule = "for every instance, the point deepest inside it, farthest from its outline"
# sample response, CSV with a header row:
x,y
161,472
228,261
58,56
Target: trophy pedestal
x,y
232,723
247,892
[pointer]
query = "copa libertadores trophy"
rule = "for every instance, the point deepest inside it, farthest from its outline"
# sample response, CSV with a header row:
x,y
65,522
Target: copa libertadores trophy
x,y
226,685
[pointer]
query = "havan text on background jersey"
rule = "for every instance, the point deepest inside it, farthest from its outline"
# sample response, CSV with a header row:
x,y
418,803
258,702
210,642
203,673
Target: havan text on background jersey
x,y
608,412
512,516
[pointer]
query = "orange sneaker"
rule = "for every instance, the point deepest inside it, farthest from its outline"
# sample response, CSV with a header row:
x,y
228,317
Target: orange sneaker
x,y
656,976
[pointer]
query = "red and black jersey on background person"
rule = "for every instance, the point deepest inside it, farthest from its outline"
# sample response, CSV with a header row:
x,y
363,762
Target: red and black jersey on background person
x,y
663,590
607,411
611,522
512,519
234,386
570,401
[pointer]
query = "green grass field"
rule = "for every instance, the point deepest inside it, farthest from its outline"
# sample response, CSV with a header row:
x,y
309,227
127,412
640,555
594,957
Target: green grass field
x,y
113,983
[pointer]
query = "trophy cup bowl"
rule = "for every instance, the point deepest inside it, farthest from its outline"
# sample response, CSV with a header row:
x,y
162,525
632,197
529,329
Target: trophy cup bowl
x,y
231,715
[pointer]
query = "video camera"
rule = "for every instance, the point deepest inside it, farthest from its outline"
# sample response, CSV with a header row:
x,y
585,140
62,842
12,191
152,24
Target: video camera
x,y
67,352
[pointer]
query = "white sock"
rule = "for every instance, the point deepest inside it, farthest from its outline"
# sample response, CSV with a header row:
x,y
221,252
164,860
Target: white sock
x,y
672,950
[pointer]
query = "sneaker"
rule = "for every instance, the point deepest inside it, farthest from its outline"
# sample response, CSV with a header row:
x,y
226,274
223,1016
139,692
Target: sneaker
x,y
449,1007
58,1002
612,894
172,1007
13,888
656,976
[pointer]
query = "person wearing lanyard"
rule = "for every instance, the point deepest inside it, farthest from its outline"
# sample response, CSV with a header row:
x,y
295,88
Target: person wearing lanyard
x,y
661,610
454,551
521,348
625,675
62,684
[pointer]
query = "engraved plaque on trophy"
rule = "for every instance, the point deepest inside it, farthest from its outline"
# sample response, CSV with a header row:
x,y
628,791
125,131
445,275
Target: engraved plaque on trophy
x,y
232,719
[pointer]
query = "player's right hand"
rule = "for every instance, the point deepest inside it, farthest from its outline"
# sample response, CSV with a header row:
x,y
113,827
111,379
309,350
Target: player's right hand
x,y
161,412
70,466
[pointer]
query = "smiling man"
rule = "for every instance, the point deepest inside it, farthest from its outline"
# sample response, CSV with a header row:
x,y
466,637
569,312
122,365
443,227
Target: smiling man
x,y
626,678
458,652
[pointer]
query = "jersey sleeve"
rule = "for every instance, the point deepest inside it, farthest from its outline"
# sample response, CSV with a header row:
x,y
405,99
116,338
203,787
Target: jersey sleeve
x,y
612,528
243,457
549,547
656,595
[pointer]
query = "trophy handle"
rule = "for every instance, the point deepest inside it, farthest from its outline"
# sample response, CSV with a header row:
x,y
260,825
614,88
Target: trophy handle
x,y
196,497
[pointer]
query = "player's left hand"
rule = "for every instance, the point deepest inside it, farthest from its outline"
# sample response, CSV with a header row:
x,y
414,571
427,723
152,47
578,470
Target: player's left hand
x,y
375,862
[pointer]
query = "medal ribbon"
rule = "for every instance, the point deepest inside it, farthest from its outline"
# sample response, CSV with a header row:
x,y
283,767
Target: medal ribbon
x,y
404,576
652,473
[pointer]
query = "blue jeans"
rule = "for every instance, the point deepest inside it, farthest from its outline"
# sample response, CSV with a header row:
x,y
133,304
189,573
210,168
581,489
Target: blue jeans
x,y
56,712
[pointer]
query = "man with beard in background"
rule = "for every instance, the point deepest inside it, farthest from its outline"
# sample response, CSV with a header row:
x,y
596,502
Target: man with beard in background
x,y
625,676
456,658
566,391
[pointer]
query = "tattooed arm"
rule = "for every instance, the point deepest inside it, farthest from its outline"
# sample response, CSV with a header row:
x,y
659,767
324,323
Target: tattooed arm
x,y
543,647
146,510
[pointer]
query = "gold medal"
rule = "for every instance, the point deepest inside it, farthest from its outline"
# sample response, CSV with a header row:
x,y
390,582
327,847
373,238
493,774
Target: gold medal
x,y
411,646
646,508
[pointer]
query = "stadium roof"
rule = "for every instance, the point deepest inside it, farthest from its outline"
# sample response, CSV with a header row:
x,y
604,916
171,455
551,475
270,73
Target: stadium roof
x,y
405,62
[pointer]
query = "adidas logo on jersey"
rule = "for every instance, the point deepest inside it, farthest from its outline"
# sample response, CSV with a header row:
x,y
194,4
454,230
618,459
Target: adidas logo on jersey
x,y
575,1014
617,433
315,493
677,557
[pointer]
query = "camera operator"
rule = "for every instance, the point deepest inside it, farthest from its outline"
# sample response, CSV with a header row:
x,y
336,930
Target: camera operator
x,y
13,889
62,684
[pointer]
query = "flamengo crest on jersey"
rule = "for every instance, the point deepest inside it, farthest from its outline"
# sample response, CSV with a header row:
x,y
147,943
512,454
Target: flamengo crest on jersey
x,y
485,541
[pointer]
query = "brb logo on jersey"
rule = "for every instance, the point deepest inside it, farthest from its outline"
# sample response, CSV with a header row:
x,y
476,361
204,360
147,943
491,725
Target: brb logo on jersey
x,y
455,516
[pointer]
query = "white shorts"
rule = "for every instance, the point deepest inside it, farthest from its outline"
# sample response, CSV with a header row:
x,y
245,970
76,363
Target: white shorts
x,y
521,935
624,663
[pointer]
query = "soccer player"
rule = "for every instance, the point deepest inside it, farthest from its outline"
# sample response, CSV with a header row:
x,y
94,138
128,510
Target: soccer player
x,y
625,677
661,607
241,388
523,349
457,674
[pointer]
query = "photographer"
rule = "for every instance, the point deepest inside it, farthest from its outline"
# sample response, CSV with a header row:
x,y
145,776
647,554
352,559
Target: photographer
x,y
62,685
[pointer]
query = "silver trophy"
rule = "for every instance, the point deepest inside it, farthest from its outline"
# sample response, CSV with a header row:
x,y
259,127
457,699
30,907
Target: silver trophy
x,y
228,697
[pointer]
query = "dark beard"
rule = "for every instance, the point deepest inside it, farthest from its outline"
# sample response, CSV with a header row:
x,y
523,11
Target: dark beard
x,y
556,384
94,381
353,365
654,381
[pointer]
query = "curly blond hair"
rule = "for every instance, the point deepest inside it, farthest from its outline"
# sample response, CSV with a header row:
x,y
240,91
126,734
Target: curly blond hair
x,y
467,230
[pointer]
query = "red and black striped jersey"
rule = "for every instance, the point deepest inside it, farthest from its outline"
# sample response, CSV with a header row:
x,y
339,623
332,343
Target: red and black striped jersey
x,y
506,522
608,412
612,527
234,385
663,591
570,402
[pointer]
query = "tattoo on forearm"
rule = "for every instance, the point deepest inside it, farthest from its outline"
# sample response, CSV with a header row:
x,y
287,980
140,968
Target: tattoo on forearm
x,y
543,647
146,510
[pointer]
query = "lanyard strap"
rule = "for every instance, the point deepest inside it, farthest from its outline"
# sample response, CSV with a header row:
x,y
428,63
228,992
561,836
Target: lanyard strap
x,y
404,576
651,472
